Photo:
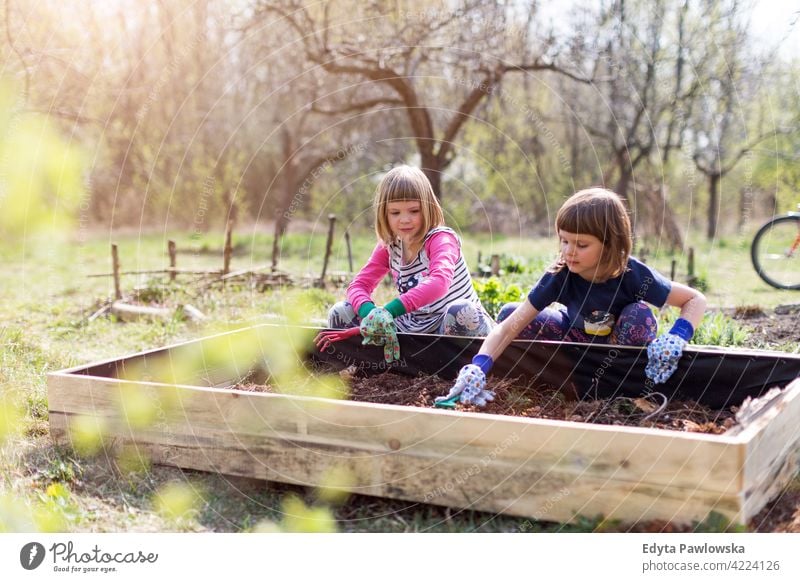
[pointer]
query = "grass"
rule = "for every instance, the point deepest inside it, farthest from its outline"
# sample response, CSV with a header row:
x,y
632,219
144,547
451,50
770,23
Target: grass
x,y
44,326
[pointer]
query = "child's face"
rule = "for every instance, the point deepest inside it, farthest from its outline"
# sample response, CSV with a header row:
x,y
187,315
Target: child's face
x,y
405,219
582,254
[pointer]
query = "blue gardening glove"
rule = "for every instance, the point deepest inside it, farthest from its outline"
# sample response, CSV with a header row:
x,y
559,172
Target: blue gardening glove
x,y
471,383
665,351
378,329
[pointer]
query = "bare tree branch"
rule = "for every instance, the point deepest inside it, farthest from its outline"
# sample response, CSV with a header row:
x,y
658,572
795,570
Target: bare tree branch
x,y
17,51
358,106
540,66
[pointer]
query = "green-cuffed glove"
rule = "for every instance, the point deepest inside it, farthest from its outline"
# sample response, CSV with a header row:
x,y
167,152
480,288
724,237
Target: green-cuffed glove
x,y
378,329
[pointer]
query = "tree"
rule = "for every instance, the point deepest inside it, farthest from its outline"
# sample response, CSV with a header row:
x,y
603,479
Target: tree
x,y
732,118
644,87
435,64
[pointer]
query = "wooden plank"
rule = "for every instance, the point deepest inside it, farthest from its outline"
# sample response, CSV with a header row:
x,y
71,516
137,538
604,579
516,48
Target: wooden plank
x,y
771,458
128,312
526,489
633,455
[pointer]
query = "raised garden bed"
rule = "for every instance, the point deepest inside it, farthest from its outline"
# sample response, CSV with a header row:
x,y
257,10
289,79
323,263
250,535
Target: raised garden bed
x,y
533,467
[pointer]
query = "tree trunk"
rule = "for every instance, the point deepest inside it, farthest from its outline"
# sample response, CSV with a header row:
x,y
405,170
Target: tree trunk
x,y
433,170
281,222
625,176
623,184
662,219
713,205
745,208
284,215
285,196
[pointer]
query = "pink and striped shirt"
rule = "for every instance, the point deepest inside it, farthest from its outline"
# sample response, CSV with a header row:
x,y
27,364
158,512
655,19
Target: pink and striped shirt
x,y
436,277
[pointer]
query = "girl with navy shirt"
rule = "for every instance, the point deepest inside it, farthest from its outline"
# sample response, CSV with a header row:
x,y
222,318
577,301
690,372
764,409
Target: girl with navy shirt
x,y
594,292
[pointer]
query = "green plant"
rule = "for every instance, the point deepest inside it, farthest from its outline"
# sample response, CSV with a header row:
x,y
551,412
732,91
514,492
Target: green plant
x,y
318,299
493,294
716,329
512,264
717,523
700,283
62,470
508,264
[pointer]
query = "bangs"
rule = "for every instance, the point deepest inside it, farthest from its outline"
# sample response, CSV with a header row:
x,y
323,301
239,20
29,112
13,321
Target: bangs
x,y
402,186
600,213
584,219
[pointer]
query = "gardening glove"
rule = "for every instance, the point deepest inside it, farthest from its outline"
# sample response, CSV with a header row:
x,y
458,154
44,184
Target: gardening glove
x,y
665,351
378,329
471,383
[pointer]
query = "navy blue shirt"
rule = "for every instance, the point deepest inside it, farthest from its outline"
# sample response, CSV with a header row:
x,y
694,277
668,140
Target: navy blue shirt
x,y
595,307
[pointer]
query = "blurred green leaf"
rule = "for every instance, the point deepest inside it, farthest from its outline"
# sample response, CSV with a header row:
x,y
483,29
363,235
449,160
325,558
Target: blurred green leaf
x,y
15,515
299,518
10,416
336,484
41,174
133,461
178,501
87,434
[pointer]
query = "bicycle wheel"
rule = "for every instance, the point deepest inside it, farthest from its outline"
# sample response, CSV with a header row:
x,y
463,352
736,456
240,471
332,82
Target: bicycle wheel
x,y
776,252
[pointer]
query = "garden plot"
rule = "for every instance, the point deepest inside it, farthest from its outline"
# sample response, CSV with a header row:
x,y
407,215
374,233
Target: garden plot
x,y
542,468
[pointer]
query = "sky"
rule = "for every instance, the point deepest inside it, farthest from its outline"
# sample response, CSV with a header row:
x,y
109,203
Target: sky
x,y
778,21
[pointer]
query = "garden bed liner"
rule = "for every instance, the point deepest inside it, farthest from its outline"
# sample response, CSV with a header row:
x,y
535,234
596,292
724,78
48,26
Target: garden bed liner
x,y
537,468
716,377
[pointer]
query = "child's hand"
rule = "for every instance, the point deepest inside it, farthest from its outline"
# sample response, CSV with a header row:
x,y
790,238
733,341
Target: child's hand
x,y
378,329
666,350
471,385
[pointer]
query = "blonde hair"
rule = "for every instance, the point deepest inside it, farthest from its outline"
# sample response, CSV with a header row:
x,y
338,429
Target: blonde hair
x,y
405,184
602,214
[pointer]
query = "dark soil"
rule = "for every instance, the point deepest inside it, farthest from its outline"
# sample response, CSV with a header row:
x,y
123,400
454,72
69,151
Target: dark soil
x,y
769,330
515,398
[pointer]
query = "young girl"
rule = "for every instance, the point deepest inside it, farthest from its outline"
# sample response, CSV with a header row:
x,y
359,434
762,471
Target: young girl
x,y
595,291
434,286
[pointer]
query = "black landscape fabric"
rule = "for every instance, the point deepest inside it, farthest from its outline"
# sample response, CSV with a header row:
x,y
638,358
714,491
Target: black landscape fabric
x,y
715,377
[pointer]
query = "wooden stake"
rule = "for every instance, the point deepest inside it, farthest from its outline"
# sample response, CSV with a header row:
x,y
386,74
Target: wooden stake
x,y
226,256
115,268
349,250
495,265
172,258
328,247
672,270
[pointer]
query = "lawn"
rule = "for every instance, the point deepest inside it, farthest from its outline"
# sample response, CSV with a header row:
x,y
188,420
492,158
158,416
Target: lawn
x,y
48,298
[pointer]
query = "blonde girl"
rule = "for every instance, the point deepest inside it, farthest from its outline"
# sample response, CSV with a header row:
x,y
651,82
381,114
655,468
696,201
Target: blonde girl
x,y
434,286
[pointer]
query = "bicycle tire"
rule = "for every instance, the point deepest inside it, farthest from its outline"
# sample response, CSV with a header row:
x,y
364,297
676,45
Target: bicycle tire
x,y
781,272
